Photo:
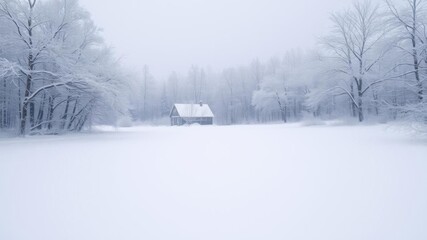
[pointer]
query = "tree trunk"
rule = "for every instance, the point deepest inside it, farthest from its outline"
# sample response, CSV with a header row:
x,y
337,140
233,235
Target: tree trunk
x,y
3,110
29,81
73,115
353,106
40,114
27,94
50,112
375,97
415,52
32,113
65,115
360,101
25,105
282,108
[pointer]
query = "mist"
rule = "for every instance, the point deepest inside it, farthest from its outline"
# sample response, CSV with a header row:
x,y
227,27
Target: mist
x,y
171,35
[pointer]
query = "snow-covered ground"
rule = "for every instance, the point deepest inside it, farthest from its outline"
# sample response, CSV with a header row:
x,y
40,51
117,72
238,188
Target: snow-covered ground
x,y
241,182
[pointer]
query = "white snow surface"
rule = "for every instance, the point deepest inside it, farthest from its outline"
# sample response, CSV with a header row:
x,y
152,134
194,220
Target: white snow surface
x,y
194,110
215,183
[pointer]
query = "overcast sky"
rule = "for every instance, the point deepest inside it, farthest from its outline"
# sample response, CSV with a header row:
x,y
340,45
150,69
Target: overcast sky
x,y
174,34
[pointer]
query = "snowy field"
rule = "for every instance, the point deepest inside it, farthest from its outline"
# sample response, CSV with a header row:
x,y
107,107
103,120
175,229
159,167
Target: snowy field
x,y
215,183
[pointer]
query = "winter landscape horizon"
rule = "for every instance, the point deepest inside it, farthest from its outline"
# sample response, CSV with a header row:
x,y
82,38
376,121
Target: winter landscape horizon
x,y
241,119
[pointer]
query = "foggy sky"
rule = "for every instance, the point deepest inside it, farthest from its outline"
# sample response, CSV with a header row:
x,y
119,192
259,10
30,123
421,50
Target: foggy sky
x,y
174,34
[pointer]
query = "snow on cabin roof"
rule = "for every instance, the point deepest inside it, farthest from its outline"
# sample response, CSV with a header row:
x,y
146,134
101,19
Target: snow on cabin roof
x,y
194,110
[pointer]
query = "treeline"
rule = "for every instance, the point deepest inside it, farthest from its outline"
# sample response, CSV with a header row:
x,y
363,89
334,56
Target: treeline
x,y
56,74
370,66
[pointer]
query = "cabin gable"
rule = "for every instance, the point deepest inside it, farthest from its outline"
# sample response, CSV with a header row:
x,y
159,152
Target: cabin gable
x,y
174,112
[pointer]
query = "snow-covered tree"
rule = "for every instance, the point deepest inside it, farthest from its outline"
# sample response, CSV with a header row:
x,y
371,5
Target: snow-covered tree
x,y
65,74
355,48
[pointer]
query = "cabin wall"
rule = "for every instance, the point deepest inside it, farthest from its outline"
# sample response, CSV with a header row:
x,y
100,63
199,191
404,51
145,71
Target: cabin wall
x,y
179,121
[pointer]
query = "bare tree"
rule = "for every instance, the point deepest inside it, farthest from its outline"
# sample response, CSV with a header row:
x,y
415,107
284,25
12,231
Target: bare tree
x,y
356,49
411,37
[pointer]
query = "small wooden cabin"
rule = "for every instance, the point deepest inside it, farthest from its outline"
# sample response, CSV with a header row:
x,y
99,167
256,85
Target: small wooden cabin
x,y
187,114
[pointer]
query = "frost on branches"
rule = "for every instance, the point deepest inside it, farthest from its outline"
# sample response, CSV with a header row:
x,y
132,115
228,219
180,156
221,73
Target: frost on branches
x,y
56,74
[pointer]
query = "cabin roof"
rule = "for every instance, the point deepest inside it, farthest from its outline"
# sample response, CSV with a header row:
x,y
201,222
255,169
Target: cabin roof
x,y
193,110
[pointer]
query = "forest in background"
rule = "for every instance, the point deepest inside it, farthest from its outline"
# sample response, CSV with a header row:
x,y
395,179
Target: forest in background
x,y
57,75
